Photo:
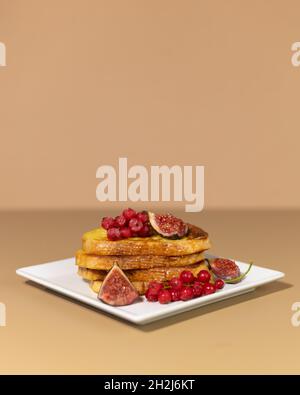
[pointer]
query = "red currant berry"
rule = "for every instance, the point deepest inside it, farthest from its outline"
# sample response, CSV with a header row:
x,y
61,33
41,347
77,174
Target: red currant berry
x,y
114,234
120,220
186,293
176,283
197,289
155,285
208,289
107,222
129,214
175,294
143,217
126,232
164,296
151,295
203,276
186,276
219,284
135,225
145,231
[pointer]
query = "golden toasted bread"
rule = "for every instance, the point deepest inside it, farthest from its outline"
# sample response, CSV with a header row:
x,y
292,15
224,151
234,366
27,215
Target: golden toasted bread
x,y
142,285
154,274
127,262
92,275
96,242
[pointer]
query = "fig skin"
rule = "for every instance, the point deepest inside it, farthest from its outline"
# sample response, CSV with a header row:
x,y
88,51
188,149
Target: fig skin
x,y
228,270
116,289
168,226
224,269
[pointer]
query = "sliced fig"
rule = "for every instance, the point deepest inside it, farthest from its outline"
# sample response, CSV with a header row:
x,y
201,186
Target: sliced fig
x,y
239,278
116,289
227,270
167,225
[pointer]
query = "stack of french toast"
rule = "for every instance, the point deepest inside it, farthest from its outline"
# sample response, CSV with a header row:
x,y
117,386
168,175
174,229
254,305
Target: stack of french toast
x,y
153,257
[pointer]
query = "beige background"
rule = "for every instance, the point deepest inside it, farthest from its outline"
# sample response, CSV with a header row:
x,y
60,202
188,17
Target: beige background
x,y
47,333
161,82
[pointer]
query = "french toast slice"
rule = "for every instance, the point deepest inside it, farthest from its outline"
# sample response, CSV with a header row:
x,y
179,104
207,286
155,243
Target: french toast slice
x,y
145,275
140,285
127,262
96,242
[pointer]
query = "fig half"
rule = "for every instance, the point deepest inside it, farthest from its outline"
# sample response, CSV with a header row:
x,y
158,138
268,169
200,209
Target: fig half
x,y
227,270
167,225
116,289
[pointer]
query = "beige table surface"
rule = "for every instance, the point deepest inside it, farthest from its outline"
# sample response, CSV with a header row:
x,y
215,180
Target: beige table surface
x,y
47,333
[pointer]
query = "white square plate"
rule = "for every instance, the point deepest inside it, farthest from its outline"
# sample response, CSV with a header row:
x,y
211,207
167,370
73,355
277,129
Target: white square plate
x,y
61,276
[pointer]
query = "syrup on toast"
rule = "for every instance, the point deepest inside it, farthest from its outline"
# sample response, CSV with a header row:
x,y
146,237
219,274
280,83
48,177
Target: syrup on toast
x,y
95,242
154,274
127,262
140,286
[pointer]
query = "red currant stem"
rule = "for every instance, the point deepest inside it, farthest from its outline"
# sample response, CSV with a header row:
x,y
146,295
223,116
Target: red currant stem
x,y
239,278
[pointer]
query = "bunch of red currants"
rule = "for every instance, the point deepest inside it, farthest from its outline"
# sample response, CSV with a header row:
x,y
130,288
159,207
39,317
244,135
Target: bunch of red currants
x,y
128,224
184,287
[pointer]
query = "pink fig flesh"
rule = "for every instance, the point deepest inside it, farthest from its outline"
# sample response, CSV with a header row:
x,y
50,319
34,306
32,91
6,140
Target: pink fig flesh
x,y
167,225
116,289
225,269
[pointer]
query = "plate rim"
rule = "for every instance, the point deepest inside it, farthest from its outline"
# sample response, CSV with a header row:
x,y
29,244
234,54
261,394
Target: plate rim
x,y
153,316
